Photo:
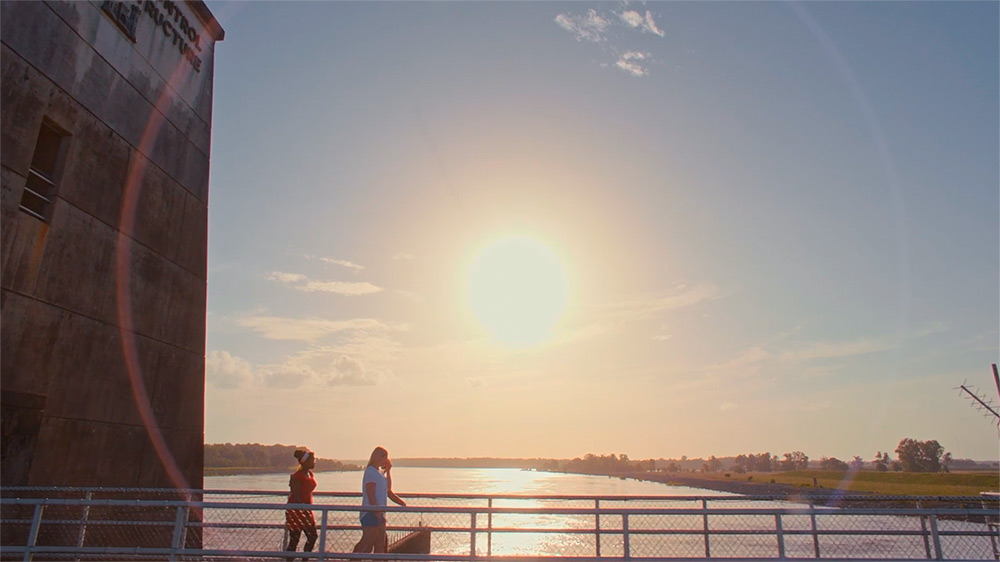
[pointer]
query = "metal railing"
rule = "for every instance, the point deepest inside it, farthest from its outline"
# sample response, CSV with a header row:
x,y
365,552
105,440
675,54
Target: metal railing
x,y
153,524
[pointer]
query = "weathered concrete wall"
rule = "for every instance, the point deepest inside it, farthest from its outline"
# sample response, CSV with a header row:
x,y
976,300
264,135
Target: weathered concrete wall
x,y
103,304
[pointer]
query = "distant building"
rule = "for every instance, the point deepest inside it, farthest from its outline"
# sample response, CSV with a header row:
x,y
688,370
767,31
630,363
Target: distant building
x,y
106,126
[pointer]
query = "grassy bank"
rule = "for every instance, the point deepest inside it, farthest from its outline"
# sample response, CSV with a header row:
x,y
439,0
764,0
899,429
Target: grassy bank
x,y
894,483
881,483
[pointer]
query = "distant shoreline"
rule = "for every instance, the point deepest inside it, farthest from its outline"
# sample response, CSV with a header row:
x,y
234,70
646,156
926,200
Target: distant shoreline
x,y
256,470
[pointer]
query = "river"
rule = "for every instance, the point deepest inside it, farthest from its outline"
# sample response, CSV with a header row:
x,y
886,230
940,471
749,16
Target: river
x,y
422,480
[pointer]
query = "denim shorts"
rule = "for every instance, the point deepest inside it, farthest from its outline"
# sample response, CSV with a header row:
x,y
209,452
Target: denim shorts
x,y
369,519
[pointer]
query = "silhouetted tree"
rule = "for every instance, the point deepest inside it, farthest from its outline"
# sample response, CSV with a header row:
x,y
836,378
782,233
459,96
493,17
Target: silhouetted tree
x,y
740,465
606,464
762,462
796,460
832,463
713,465
920,456
881,463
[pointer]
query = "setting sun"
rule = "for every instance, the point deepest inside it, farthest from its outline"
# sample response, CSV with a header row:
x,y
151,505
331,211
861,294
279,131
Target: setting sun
x,y
516,287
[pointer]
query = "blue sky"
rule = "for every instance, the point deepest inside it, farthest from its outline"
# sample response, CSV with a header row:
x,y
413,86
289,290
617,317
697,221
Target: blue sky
x,y
765,226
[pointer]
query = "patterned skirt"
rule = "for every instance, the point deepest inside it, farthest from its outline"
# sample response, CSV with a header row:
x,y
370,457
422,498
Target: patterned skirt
x,y
299,520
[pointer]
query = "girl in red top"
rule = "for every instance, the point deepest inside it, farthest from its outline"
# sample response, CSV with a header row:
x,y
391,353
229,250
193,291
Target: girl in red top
x,y
299,521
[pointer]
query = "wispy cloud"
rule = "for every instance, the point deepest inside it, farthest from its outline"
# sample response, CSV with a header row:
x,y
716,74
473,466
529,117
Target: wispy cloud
x,y
650,305
345,263
403,256
286,376
334,261
836,350
587,27
301,371
630,63
288,278
339,287
750,360
225,370
300,282
986,341
348,371
747,361
362,361
600,320
820,371
645,23
599,27
311,329
355,352
727,406
661,334
777,358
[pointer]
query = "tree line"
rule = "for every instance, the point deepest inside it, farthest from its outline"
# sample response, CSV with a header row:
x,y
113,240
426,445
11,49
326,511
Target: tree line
x,y
472,462
911,456
601,464
255,455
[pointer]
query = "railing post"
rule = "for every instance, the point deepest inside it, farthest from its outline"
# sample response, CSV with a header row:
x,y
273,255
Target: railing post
x,y
180,527
704,520
489,529
781,535
322,535
36,521
626,548
923,529
934,535
597,528
812,516
81,535
472,536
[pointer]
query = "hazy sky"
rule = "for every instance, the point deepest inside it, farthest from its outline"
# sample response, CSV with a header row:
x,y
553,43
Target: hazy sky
x,y
551,229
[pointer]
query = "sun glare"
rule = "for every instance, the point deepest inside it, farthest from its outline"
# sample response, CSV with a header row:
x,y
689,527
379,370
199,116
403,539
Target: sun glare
x,y
517,290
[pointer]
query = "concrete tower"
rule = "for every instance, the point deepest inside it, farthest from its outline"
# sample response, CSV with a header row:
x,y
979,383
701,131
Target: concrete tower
x,y
106,127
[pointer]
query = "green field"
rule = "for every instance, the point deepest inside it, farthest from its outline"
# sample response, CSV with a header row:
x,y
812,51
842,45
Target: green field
x,y
887,483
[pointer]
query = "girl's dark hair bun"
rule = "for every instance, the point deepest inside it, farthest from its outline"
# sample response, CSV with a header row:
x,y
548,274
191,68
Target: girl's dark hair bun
x,y
298,454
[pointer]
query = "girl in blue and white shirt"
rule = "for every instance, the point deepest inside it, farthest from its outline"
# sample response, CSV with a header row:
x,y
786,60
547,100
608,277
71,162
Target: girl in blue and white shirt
x,y
376,488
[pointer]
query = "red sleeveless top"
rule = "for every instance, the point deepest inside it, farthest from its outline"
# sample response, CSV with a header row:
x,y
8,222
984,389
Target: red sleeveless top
x,y
307,483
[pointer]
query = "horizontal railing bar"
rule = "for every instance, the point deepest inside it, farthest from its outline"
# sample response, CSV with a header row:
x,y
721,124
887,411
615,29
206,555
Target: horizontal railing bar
x,y
581,497
394,556
790,511
546,530
97,522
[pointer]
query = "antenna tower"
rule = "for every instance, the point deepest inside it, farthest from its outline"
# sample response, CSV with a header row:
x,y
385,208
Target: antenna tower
x,y
978,399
